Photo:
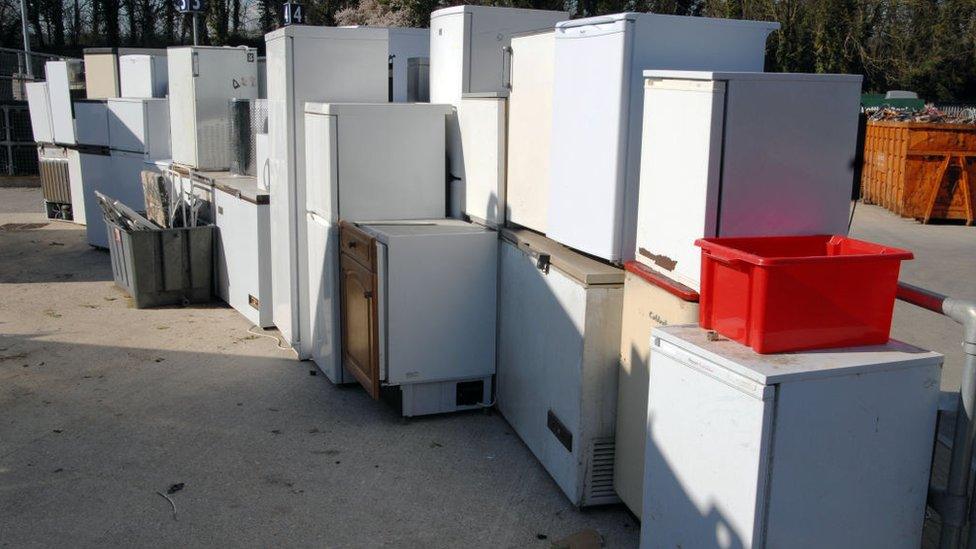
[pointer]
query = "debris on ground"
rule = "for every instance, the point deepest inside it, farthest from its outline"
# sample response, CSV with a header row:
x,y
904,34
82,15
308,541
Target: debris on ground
x,y
927,114
173,488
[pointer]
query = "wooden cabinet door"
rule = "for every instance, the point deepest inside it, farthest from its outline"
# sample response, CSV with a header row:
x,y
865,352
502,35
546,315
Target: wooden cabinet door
x,y
360,352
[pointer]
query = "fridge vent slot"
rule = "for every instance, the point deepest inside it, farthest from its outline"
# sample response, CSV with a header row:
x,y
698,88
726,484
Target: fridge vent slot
x,y
598,489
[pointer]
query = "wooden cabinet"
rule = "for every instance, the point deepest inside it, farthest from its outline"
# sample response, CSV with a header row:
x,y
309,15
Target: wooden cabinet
x,y
360,335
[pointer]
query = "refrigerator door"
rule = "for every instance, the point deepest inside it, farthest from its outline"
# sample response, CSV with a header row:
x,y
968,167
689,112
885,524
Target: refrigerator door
x,y
694,497
182,108
78,208
59,75
530,130
39,105
588,149
323,304
143,76
482,123
101,75
681,163
448,59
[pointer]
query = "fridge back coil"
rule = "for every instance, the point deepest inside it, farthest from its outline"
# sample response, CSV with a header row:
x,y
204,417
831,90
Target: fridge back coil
x,y
248,117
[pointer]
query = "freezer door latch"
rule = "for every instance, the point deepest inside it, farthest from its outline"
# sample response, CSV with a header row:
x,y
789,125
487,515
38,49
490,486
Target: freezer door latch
x,y
560,431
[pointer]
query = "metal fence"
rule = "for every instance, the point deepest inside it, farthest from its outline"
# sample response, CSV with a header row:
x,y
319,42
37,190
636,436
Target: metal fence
x,y
18,152
17,68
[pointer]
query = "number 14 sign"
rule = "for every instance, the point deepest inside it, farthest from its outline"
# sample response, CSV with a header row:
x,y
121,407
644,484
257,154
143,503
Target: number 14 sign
x,y
293,14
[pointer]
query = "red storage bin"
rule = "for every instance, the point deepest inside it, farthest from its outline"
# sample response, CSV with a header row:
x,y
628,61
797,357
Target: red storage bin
x,y
790,293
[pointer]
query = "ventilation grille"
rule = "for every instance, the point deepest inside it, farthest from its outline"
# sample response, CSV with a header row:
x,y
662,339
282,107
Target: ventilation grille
x,y
54,180
598,489
248,117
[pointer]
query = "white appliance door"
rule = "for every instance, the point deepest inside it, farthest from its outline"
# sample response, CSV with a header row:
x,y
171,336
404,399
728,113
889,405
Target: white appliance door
x,y
284,252
127,125
589,130
182,106
323,305
482,125
40,112
530,131
78,201
322,165
93,171
798,163
136,76
680,174
59,95
448,67
92,119
706,457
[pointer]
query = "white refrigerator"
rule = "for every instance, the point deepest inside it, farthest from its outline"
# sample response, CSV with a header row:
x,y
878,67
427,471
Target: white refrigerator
x,y
143,75
140,126
39,106
65,82
346,181
742,154
306,63
828,448
596,111
201,81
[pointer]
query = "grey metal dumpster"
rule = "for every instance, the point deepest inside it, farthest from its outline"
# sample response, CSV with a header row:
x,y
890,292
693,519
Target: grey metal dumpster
x,y
163,267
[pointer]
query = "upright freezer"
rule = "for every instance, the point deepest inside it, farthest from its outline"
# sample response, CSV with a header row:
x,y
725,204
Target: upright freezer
x,y
596,110
742,154
201,81
469,58
558,337
243,246
346,182
140,126
418,311
530,130
310,64
650,300
828,448
39,106
65,83
143,75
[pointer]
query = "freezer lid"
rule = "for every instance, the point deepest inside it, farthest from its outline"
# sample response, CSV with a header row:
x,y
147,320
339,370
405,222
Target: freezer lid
x,y
375,109
745,75
583,269
385,230
771,369
633,16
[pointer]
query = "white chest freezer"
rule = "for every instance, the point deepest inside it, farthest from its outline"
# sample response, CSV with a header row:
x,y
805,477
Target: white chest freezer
x,y
306,63
344,181
733,154
650,300
597,106
418,311
828,448
201,81
243,251
91,119
39,106
558,337
143,75
65,83
140,126
530,130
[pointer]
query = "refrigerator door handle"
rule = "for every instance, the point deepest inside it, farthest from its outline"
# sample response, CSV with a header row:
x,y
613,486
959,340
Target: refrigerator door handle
x,y
507,54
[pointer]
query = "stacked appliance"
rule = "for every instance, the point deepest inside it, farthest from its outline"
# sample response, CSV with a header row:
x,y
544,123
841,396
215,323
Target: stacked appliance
x,y
138,134
52,159
350,64
201,81
345,182
102,67
595,150
558,336
418,311
469,55
829,448
718,144
143,75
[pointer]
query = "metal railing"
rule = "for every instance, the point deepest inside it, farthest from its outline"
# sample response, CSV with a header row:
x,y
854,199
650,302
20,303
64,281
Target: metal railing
x,y
953,502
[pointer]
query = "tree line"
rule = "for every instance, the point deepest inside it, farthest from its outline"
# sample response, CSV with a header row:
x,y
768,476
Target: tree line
x,y
927,46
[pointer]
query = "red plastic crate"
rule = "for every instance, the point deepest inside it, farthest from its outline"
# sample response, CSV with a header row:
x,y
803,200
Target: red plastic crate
x,y
790,293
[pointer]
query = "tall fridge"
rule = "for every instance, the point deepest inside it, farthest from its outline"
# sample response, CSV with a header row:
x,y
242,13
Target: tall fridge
x,y
306,63
596,111
345,182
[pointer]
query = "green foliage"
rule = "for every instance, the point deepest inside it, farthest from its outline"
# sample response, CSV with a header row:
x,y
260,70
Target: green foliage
x,y
928,46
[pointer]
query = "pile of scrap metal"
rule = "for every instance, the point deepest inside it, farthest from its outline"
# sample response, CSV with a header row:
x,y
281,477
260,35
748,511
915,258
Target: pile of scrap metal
x,y
167,207
928,114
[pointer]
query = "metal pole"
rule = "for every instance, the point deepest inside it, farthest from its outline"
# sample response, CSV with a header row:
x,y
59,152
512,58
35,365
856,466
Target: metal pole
x,y
23,27
195,43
